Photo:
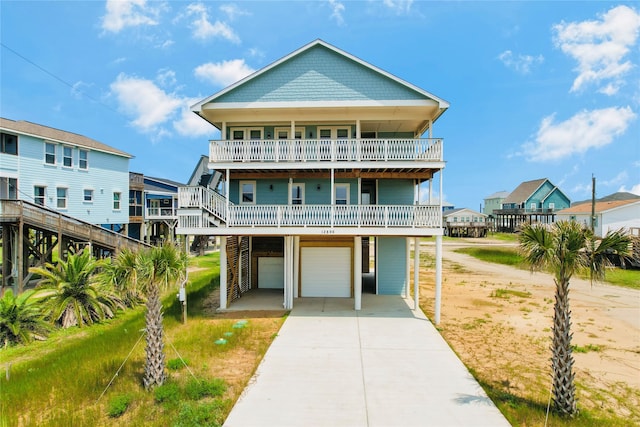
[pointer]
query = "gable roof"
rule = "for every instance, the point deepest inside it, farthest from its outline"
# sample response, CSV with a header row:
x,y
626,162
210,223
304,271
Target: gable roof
x,y
458,210
59,136
264,98
524,191
497,195
600,207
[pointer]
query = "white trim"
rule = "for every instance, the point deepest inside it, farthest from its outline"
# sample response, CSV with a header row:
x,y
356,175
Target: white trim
x,y
64,147
335,191
274,105
55,153
302,187
240,198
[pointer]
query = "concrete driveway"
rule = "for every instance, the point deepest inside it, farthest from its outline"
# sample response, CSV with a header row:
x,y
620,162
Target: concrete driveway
x,y
383,366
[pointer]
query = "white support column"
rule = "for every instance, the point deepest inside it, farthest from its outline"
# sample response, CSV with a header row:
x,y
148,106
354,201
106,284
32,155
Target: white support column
x,y
416,272
223,131
358,128
407,275
438,279
223,272
357,271
288,272
296,265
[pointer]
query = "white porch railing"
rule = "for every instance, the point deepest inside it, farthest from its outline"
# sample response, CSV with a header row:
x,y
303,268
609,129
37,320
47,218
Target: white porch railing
x,y
323,216
204,199
160,213
318,150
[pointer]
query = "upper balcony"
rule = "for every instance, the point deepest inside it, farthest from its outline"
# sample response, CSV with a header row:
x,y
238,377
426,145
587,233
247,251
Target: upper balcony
x,y
323,153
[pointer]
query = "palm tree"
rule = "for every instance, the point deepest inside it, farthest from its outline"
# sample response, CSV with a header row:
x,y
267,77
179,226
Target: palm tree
x,y
154,269
565,248
122,274
20,319
72,292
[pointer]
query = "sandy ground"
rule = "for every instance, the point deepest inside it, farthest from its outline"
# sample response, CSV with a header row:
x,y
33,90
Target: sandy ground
x,y
498,319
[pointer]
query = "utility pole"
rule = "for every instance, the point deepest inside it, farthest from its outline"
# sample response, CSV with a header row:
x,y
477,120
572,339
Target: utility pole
x,y
593,203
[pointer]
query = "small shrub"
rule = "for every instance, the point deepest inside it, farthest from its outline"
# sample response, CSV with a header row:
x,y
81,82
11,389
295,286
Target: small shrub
x,y
167,392
177,363
197,389
118,405
200,414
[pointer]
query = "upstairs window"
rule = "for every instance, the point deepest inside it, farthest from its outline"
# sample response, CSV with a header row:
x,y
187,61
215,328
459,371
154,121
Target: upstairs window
x,y
87,195
38,195
67,157
50,153
83,159
552,206
8,144
61,196
248,192
117,197
342,194
8,188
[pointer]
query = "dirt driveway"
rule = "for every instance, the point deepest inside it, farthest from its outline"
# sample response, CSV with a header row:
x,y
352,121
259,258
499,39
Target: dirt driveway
x,y
498,319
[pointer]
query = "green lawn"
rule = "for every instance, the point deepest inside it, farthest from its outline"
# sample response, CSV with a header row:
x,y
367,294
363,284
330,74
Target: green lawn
x,y
60,381
510,256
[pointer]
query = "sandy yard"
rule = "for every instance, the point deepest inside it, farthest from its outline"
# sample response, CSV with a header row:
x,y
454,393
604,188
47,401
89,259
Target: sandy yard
x,y
498,320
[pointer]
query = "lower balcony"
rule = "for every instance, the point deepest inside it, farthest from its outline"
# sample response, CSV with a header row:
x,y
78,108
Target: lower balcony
x,y
315,219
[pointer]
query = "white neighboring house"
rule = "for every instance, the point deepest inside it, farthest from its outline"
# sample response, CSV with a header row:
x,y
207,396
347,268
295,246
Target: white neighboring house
x,y
610,215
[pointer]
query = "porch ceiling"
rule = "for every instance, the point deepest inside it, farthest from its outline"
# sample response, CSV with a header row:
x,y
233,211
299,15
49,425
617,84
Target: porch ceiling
x,y
368,173
385,118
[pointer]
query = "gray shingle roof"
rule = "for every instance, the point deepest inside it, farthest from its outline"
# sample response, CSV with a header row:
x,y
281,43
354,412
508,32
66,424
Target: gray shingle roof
x,y
523,191
57,135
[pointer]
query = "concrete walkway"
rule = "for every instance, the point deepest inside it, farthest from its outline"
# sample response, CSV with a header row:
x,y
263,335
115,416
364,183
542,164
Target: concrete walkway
x,y
382,366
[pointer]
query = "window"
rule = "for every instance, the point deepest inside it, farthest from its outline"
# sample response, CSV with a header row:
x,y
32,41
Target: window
x,y
61,194
533,206
552,206
8,188
87,195
342,194
83,159
38,195
248,192
135,203
50,153
116,200
297,194
67,157
8,144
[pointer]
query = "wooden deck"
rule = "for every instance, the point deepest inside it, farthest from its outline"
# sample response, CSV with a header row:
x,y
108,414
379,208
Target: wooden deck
x,y
30,233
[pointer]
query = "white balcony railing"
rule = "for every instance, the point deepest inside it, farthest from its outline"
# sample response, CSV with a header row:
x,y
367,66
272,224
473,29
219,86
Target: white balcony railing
x,y
161,213
323,216
204,199
318,150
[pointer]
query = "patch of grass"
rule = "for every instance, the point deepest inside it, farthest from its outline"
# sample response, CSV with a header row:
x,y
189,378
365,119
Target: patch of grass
x,y
624,278
508,293
586,349
118,405
196,414
198,389
168,392
504,237
177,363
505,256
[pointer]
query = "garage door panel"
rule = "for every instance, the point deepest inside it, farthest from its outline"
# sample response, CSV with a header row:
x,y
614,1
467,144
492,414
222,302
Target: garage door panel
x,y
326,272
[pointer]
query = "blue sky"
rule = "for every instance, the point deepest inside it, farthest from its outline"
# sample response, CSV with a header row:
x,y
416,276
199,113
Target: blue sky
x,y
537,89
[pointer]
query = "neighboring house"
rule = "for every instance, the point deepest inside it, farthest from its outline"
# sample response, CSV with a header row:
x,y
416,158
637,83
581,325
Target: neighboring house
x,y
322,154
532,201
463,222
161,209
610,215
136,205
493,202
64,171
204,176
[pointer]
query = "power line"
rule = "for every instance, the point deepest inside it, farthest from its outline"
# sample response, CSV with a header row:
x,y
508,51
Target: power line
x,y
64,82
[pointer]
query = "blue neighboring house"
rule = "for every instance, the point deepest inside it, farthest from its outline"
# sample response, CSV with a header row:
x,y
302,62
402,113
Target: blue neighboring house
x,y
532,201
321,154
64,171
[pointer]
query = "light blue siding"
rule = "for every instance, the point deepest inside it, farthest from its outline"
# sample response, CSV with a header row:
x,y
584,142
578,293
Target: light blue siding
x,y
559,200
107,173
392,265
279,195
319,74
396,192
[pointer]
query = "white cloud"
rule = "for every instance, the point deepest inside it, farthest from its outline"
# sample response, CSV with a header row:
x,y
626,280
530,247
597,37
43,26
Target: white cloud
x,y
520,63
150,106
398,6
635,189
223,73
583,131
166,77
190,124
616,180
233,11
337,8
203,29
79,88
599,47
128,13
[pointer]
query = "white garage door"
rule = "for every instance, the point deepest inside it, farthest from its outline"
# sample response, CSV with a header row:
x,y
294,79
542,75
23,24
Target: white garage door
x,y
326,272
271,273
